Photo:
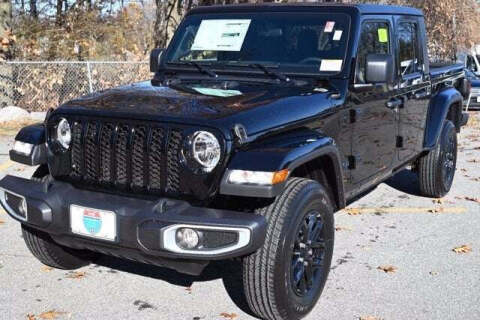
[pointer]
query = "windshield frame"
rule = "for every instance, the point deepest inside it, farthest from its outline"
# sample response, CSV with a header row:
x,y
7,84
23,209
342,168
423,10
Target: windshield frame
x,y
241,68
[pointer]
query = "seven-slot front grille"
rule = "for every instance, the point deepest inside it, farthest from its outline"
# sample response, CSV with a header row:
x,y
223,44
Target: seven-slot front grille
x,y
126,156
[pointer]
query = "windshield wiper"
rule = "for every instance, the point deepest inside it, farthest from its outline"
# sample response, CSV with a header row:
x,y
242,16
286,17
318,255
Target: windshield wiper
x,y
269,72
200,67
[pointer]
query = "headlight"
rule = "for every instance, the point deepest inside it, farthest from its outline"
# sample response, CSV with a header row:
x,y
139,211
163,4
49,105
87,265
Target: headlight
x,y
63,134
205,150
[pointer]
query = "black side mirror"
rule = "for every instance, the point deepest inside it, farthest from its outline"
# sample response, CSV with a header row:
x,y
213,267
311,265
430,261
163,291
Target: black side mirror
x,y
379,69
155,59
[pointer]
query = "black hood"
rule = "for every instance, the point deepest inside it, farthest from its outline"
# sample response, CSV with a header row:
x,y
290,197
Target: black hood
x,y
258,107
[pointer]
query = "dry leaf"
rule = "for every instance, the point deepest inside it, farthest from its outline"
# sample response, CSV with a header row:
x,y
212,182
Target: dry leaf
x,y
228,315
2,222
189,290
31,317
369,318
462,249
47,269
76,275
439,201
388,268
342,228
353,211
50,315
433,273
472,199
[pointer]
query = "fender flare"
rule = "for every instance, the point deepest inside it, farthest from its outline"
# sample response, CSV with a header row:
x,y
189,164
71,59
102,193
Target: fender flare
x,y
286,152
35,135
437,113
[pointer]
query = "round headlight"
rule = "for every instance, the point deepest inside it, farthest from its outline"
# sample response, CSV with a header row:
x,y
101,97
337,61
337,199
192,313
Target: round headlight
x,y
206,150
63,133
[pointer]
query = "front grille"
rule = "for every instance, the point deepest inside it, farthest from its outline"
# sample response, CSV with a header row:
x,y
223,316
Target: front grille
x,y
136,157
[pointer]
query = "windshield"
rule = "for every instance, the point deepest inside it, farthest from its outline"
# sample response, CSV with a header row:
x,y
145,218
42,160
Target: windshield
x,y
293,42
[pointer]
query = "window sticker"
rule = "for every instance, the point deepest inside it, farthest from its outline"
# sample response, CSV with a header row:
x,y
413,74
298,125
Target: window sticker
x,y
331,65
383,35
329,26
221,35
337,36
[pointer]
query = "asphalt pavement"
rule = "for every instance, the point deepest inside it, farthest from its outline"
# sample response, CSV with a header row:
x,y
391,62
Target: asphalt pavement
x,y
394,259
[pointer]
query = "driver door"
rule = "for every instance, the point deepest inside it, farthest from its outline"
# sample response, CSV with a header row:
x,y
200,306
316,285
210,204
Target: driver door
x,y
375,120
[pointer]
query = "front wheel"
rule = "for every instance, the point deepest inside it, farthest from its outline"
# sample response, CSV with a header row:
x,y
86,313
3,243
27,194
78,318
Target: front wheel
x,y
436,169
285,278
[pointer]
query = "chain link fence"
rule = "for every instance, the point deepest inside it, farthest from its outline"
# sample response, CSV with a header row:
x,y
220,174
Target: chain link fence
x,y
38,86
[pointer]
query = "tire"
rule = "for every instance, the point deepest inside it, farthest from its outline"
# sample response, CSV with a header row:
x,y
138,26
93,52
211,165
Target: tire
x,y
270,286
45,249
436,169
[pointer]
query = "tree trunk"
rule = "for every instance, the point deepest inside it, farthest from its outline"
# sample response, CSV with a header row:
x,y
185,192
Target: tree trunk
x,y
33,9
6,52
58,15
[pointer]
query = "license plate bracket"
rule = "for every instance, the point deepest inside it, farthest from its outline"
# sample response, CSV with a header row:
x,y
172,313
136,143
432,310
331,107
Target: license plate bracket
x,y
93,223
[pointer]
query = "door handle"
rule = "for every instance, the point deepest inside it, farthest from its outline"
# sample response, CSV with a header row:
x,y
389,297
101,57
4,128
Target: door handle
x,y
421,94
394,103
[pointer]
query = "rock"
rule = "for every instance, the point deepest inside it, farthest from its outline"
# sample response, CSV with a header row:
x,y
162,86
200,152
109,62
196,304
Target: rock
x,y
13,114
38,116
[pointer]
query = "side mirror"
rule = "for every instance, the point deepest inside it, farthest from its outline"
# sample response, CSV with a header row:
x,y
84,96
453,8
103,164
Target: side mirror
x,y
379,69
155,59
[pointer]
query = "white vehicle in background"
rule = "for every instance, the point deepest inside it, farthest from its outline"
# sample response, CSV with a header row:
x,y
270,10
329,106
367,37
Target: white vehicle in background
x,y
472,74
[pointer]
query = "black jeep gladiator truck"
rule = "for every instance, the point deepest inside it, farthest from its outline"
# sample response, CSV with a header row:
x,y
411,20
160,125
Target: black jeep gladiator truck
x,y
260,122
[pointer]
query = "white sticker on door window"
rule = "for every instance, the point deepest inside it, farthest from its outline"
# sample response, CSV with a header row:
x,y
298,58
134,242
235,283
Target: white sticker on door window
x,y
221,35
329,26
337,36
331,65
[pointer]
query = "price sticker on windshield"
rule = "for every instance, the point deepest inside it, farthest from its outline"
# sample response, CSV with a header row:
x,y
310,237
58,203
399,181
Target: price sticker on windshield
x,y
221,35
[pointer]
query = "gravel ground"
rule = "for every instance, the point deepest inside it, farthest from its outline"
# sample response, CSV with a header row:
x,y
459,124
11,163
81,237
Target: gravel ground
x,y
390,226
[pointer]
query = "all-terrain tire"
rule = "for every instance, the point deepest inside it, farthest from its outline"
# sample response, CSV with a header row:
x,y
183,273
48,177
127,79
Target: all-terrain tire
x,y
267,274
45,249
436,169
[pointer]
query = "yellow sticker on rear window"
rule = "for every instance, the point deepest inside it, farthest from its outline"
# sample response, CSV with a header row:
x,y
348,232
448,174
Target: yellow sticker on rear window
x,y
383,35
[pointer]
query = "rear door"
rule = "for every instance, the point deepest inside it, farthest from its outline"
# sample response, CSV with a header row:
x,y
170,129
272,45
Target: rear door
x,y
414,86
374,123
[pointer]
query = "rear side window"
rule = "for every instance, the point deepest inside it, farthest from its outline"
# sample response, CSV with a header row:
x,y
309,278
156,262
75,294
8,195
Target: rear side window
x,y
374,39
409,52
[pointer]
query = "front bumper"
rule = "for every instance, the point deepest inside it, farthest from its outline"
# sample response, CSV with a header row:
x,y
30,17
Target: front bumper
x,y
140,223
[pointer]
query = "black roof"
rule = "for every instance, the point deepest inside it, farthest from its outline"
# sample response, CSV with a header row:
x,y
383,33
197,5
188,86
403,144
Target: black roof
x,y
361,8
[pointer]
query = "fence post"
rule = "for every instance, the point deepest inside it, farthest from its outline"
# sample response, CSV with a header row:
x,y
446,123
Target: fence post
x,y
89,73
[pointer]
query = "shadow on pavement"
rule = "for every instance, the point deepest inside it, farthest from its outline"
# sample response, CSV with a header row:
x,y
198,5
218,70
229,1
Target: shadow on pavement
x,y
405,181
229,271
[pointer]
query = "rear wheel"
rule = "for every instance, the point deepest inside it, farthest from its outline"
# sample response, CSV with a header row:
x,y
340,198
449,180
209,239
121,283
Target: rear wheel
x,y
436,169
285,278
45,249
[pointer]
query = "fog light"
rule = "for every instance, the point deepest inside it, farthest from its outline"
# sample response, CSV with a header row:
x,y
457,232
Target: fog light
x,y
187,238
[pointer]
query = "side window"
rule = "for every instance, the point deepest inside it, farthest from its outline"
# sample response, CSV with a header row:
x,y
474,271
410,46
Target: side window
x,y
471,64
409,50
375,38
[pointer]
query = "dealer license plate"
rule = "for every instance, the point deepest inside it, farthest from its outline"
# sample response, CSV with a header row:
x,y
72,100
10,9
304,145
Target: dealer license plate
x,y
95,223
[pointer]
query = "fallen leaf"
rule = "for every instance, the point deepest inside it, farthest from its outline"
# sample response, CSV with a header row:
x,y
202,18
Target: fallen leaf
x,y
2,222
47,269
388,268
474,161
31,317
76,275
369,318
472,199
462,249
342,228
433,273
50,315
353,211
228,315
189,290
439,201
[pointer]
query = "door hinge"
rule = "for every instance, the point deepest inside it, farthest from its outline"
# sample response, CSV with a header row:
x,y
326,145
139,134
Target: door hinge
x,y
399,142
353,115
351,162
